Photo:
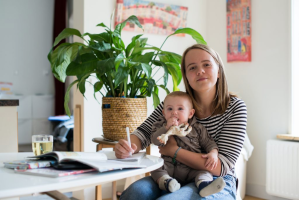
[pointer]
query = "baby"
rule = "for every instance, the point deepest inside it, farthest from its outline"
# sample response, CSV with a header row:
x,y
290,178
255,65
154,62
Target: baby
x,y
178,110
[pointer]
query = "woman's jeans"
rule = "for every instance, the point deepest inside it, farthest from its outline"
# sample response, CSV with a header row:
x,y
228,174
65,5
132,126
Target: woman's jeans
x,y
147,189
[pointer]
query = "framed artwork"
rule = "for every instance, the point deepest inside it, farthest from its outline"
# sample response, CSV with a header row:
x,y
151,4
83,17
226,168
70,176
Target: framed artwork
x,y
156,18
238,17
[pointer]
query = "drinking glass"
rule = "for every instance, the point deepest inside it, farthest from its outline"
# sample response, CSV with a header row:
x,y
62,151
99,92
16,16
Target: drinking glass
x,y
42,144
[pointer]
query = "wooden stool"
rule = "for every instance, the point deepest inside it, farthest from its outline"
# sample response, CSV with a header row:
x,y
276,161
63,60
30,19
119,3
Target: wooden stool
x,y
104,143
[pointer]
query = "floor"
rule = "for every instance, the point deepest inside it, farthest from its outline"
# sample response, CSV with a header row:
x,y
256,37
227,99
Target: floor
x,y
251,198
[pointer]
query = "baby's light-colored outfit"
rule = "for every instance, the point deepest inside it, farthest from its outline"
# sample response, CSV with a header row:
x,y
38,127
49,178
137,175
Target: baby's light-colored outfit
x,y
196,141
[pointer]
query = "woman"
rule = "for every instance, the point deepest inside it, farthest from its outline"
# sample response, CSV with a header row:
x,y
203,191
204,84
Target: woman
x,y
223,115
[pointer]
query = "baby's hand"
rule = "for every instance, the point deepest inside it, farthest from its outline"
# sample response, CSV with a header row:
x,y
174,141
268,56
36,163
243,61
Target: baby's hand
x,y
212,159
173,121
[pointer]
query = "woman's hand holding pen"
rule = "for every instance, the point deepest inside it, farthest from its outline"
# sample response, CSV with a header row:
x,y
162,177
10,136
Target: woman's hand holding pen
x,y
123,149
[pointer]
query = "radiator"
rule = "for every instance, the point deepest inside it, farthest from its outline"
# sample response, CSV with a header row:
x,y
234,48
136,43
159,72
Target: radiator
x,y
282,174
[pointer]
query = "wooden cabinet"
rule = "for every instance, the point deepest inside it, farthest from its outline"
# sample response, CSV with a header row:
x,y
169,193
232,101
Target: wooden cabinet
x,y
8,126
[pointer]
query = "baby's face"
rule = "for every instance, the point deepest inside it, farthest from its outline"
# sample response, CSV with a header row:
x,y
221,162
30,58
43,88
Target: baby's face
x,y
177,107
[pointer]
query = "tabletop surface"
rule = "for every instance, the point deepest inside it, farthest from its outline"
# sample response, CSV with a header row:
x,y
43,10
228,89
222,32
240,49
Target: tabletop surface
x,y
13,184
9,102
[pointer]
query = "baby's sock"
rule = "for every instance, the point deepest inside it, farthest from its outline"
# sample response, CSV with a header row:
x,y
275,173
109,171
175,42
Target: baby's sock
x,y
169,184
207,188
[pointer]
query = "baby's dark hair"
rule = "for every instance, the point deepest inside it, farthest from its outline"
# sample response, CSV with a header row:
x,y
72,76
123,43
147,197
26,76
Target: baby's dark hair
x,y
180,94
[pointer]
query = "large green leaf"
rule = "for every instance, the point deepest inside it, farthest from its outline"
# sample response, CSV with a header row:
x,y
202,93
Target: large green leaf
x,y
118,60
105,66
67,98
82,81
61,57
147,69
81,85
146,58
103,25
193,33
165,88
140,49
132,19
176,68
58,55
118,43
53,55
150,84
142,42
173,57
176,74
156,99
101,46
99,37
67,32
121,75
59,71
98,86
132,45
84,64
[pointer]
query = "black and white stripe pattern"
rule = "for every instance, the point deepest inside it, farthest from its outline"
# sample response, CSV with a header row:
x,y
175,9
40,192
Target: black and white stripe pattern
x,y
227,129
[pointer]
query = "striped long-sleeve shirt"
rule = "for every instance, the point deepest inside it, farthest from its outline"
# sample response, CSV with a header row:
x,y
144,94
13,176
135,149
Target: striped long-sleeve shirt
x,y
227,129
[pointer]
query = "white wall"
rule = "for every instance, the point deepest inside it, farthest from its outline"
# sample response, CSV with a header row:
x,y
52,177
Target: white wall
x,y
264,83
26,38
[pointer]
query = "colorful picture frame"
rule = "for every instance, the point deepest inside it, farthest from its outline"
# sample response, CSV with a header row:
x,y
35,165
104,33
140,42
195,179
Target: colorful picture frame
x,y
238,16
156,18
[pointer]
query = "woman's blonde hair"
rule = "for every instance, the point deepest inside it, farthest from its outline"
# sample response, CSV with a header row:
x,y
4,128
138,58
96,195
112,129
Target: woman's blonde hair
x,y
222,97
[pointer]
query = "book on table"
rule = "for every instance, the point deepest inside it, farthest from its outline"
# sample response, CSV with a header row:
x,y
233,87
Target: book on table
x,y
78,161
51,172
29,164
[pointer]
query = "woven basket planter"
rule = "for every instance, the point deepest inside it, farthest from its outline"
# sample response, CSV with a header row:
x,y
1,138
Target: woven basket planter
x,y
119,113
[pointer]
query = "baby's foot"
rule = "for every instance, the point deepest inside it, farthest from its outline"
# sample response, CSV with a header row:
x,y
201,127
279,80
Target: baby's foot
x,y
212,188
169,184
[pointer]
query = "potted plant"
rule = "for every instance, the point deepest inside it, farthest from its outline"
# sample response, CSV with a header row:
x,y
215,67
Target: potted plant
x,y
121,71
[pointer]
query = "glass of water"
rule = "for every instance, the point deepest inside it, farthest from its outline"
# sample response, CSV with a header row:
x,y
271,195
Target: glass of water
x,y
42,144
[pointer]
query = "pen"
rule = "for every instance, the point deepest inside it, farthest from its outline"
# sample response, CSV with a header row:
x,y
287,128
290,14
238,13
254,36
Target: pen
x,y
129,140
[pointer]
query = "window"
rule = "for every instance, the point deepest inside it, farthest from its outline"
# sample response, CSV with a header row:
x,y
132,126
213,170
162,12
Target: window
x,y
295,67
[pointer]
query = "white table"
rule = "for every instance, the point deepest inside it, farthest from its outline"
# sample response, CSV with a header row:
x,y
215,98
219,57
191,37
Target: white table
x,y
15,185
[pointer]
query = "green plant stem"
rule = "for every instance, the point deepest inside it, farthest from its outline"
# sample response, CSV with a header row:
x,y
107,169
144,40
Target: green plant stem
x,y
125,87
160,49
111,86
134,77
156,72
121,89
101,93
159,79
139,73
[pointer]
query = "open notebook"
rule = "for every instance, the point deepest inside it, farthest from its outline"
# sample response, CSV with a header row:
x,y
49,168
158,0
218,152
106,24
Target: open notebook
x,y
134,158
